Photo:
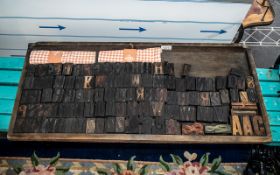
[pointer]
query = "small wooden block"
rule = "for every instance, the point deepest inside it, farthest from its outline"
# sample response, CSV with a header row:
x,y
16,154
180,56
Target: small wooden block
x,y
172,127
171,112
99,125
234,95
100,80
49,110
183,98
193,98
252,95
186,70
120,95
170,82
236,126
241,83
131,94
205,114
69,95
258,125
181,85
89,109
90,127
110,108
221,114
136,67
99,109
67,69
148,92
224,94
204,99
42,82
128,67
215,99
30,96
244,107
158,81
218,129
110,124
69,82
147,80
221,82
157,108
110,94
190,83
243,97
21,112
107,68
132,108
88,82
172,97
79,95
120,109
160,94
247,126
193,129
135,80
118,68
169,69
78,110
158,126
78,70
250,82
140,94
132,125
46,95
243,112
232,82
55,69
147,68
146,125
87,70
98,94
41,70
120,124
187,113
79,82
59,82
145,108
110,80
159,68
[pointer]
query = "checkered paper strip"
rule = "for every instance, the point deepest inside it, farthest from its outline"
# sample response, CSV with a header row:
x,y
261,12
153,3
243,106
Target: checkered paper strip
x,y
142,55
76,57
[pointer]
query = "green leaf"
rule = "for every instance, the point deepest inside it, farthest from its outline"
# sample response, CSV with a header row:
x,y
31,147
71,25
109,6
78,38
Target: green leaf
x,y
54,160
130,163
176,159
34,159
143,170
117,168
215,164
17,169
164,164
204,159
102,172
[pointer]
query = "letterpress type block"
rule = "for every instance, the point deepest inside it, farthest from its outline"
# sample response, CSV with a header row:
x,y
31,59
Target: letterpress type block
x,y
89,109
221,82
69,95
132,125
190,83
221,114
110,94
30,96
120,109
172,127
215,98
99,94
147,80
172,97
100,109
110,124
42,82
193,98
224,96
158,126
252,95
41,70
180,85
193,129
172,112
67,69
204,114
79,82
47,95
120,124
187,113
157,108
204,99
234,95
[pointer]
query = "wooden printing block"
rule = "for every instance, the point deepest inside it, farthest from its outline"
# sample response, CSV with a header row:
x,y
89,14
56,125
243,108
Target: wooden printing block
x,y
183,98
110,124
33,125
192,129
128,67
126,80
221,82
258,125
193,97
221,114
87,70
21,112
120,109
132,125
110,108
149,94
204,99
180,85
41,70
120,125
57,95
66,110
79,109
205,84
59,82
218,129
146,68
132,108
145,108
67,69
42,82
98,94
243,97
30,96
236,126
131,94
79,95
224,94
100,80
171,112
28,83
160,94
88,82
204,114
186,70
47,95
190,83
34,110
49,110
241,83
169,69
78,70
172,97
79,82
118,81
69,82
170,82
55,69
59,126
107,68
79,125
158,126
215,98
157,108
146,125
97,68
135,80
247,126
250,83
147,80
159,68
19,125
243,112
99,109
118,68
158,81
172,127
187,113
99,125
110,80
90,93
234,95
45,127
120,95
252,95
30,71
244,106
109,94
50,125
89,109
91,125
140,94
68,125
136,68
69,95
232,81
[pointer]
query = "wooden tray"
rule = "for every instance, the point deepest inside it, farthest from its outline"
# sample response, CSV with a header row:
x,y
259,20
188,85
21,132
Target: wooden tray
x,y
206,59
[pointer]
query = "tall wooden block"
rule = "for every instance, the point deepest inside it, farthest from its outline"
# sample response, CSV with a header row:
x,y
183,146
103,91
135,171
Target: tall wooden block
x,y
147,80
28,83
46,95
110,94
66,109
69,95
158,126
193,97
120,95
146,125
131,94
243,97
100,80
221,114
241,83
30,96
135,80
118,68
172,97
41,70
224,94
145,108
181,85
120,124
192,129
21,112
258,125
232,82
172,112
247,126
128,67
110,108
42,82
90,126
98,94
87,70
187,113
110,82
110,124
221,82
160,94
59,82
69,82
159,68
99,125
158,81
169,69
234,95
186,70
190,83
236,126
34,110
147,68
79,82
252,95
157,108
67,69
250,83
132,125
120,109
205,114
99,109
215,98
183,98
172,127
88,82
137,68
89,109
204,99
78,70
132,108
107,68
170,82
79,110
140,94
148,93
79,95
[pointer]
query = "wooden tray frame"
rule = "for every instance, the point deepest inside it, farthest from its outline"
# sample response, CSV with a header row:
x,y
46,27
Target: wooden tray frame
x,y
138,138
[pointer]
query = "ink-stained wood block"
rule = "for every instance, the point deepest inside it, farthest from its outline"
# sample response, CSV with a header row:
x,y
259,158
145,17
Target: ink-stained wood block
x,y
87,70
171,112
88,82
69,82
236,126
215,99
232,81
109,94
79,82
146,68
110,108
79,95
135,80
172,97
205,84
100,80
250,83
132,125
66,110
221,114
79,125
79,109
97,68
157,108
244,106
132,108
131,94
158,126
140,94
49,125
120,125
69,95
252,95
110,124
158,81
183,98
172,127
170,82
120,95
241,83
243,97
42,82
204,99
190,83
159,68
128,67
90,126
221,82
118,68
187,113
145,108
205,114
118,81
110,80
126,80
258,125
78,70
120,109
57,95
90,94
146,124
41,70
224,94
67,69
247,126
193,98
234,95
100,109
49,110
192,129
218,129
21,112
34,110
136,68
186,70
160,94
89,109
107,68
99,125
47,95
98,94
30,71
19,125
59,82
169,69
180,85
28,83
149,94
147,80
55,69
30,96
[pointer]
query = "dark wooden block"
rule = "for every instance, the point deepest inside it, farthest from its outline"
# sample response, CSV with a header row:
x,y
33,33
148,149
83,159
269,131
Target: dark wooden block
x,y
30,71
221,82
67,69
66,109
186,70
204,114
126,80
28,83
79,82
99,94
172,97
241,83
47,95
224,96
181,85
97,68
108,68
89,109
157,108
79,109
120,95
147,68
118,81
89,94
170,82
21,112
79,125
218,129
30,96
159,68
57,95
69,95
234,95
190,83
171,112
146,125
110,108
99,125
110,80
221,114
137,68
160,94
109,94
205,84
19,125
147,80
193,97
128,67
140,94
215,99
187,113
55,69
158,126
145,108
78,70
232,81
120,109
148,92
59,82
183,98
252,95
193,129
169,69
69,82
204,99
42,82
118,68
99,109
120,124
41,70
158,81
250,83
68,124
87,70
110,124
100,80
132,108
88,82
132,125
135,80
79,95
172,127
237,72
34,110
34,125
